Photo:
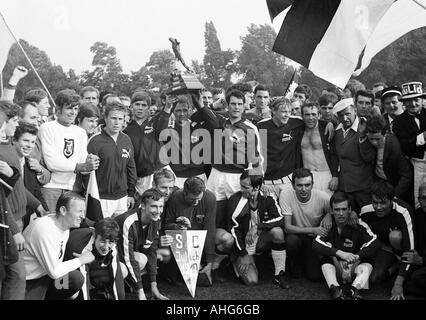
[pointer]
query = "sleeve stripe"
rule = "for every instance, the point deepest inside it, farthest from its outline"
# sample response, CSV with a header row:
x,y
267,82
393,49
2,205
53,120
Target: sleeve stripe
x,y
365,209
326,244
370,233
235,214
408,222
126,227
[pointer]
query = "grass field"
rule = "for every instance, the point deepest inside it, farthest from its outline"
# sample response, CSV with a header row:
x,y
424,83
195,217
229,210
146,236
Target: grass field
x,y
232,289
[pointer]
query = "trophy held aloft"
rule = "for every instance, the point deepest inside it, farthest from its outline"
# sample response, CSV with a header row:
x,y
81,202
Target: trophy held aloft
x,y
182,82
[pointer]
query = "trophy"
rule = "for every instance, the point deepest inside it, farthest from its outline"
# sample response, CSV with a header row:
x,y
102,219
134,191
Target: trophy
x,y
182,82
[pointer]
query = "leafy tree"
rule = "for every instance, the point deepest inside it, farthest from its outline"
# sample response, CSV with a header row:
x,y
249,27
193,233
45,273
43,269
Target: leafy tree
x,y
159,68
257,61
218,65
52,75
107,73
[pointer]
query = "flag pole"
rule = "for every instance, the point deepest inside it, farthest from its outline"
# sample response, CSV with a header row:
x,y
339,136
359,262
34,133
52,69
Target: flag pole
x,y
291,81
5,184
29,61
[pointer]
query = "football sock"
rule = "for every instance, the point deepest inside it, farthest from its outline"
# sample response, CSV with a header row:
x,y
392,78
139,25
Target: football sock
x,y
362,272
329,272
279,256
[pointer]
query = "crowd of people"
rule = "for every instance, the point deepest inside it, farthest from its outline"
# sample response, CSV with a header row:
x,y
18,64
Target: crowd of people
x,y
336,184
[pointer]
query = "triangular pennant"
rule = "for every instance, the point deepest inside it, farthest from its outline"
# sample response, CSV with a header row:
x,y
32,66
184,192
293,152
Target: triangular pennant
x,y
187,248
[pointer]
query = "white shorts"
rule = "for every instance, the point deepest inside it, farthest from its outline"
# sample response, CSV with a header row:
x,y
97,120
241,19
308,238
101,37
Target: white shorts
x,y
281,185
179,182
113,207
223,184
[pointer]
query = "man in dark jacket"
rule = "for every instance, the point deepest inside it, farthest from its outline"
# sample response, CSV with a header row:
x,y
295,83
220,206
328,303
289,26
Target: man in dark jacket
x,y
384,152
390,220
347,251
144,131
116,174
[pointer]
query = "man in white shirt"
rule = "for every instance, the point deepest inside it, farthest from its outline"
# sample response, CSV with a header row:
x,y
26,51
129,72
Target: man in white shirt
x,y
64,147
48,276
306,214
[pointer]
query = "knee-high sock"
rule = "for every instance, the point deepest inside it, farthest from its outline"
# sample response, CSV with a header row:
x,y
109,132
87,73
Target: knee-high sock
x,y
279,256
329,272
362,271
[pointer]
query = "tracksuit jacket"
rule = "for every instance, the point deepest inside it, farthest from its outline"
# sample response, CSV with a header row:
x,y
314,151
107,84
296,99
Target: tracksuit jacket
x,y
116,175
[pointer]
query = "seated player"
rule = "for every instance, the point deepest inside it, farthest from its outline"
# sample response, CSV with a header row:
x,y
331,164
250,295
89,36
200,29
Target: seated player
x,y
139,239
346,251
306,212
257,225
104,276
390,220
194,207
416,281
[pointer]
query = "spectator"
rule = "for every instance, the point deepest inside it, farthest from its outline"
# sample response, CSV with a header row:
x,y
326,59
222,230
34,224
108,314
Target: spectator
x,y
392,104
40,98
364,102
87,118
410,129
384,151
355,174
262,100
91,95
326,103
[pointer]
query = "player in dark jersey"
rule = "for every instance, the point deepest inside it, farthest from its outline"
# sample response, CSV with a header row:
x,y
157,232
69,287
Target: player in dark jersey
x,y
347,251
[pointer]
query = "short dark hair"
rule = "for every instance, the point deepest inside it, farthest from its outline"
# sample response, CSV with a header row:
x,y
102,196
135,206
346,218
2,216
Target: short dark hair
x,y
194,185
256,180
151,194
35,95
89,89
327,98
301,173
364,93
141,96
25,128
108,229
261,87
10,109
163,173
114,106
304,89
309,105
380,83
339,197
65,199
383,189
87,110
376,123
67,97
235,93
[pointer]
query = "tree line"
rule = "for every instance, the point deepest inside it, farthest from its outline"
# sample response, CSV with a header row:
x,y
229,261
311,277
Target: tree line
x,y
402,61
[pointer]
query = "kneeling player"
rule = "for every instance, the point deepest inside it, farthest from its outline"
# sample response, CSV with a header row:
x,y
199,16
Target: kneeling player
x,y
257,225
346,251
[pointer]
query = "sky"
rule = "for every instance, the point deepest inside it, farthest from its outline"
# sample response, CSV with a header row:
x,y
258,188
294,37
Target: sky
x,y
66,29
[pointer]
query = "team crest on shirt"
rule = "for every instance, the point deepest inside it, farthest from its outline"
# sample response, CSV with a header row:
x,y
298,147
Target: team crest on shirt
x,y
125,154
348,243
68,148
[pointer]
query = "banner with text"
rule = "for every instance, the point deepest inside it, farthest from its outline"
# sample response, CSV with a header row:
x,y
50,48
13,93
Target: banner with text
x,y
187,248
